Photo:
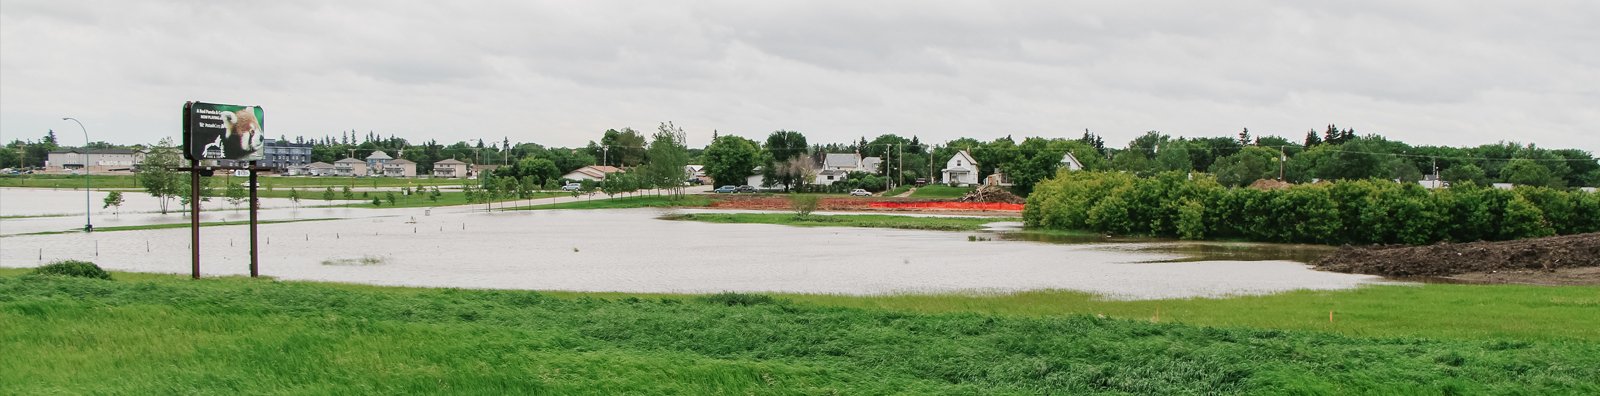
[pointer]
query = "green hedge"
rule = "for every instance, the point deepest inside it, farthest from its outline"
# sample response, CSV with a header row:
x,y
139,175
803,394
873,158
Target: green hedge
x,y
1340,212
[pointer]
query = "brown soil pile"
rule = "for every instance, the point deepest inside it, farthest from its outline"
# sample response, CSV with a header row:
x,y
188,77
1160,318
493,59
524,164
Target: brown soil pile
x,y
1560,254
992,193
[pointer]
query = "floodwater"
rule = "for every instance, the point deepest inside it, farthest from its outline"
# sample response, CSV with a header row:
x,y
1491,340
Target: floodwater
x,y
634,251
67,202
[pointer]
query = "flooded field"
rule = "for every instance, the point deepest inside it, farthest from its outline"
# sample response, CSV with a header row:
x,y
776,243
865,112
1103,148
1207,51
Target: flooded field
x,y
634,251
63,202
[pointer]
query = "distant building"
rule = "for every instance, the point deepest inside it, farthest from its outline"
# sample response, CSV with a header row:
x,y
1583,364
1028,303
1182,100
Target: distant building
x,y
1504,186
319,169
827,177
399,167
376,160
850,162
871,165
475,171
1071,163
961,169
450,169
592,172
285,157
99,160
1432,182
349,167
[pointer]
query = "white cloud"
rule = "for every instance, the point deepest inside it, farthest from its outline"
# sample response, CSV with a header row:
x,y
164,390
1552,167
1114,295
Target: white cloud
x,y
1455,73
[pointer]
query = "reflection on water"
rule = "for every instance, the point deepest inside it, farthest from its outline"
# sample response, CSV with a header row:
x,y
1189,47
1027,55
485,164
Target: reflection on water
x,y
1181,251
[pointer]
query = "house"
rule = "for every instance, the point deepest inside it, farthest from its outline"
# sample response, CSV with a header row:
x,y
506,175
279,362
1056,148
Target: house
x,y
99,160
592,172
1504,186
319,168
827,177
1586,189
473,171
871,165
376,160
399,167
850,162
961,169
1071,163
349,167
450,169
1432,182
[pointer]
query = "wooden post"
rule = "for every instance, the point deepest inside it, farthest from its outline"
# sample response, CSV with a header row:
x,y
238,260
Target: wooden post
x,y
254,251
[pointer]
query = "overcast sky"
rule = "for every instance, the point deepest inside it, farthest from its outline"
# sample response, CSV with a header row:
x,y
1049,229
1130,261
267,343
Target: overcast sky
x,y
1427,72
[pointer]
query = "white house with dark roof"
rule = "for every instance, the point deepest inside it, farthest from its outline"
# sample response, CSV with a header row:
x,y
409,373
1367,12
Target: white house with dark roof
x,y
319,168
961,169
592,172
1070,162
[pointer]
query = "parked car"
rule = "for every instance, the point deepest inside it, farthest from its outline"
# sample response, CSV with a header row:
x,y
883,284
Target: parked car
x,y
746,189
726,190
694,181
859,193
922,181
571,187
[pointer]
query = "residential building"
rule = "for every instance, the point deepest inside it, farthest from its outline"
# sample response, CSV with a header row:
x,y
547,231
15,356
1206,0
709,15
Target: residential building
x,y
349,167
450,168
285,157
961,169
473,171
827,177
871,165
376,160
399,167
1070,162
99,160
850,162
319,169
592,172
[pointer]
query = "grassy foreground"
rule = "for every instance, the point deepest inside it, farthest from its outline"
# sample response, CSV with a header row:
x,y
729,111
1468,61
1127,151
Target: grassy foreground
x,y
163,335
872,221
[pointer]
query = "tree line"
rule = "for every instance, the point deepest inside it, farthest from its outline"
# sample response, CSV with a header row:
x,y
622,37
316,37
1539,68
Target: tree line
x,y
1364,211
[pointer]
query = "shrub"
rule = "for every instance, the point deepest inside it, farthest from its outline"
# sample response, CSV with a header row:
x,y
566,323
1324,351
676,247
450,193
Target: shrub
x,y
739,299
73,268
803,204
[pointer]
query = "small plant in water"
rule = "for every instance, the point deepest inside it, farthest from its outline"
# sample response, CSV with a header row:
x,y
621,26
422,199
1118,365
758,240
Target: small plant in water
x,y
363,260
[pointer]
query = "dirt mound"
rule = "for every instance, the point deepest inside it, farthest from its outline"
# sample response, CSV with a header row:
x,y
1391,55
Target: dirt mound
x,y
1539,255
992,194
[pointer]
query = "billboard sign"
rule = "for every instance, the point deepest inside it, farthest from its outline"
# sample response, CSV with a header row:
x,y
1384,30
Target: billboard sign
x,y
222,132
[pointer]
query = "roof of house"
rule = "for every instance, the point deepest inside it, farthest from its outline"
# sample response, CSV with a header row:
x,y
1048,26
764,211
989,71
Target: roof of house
x,y
320,164
1071,159
842,160
379,155
832,172
964,153
349,160
596,171
451,161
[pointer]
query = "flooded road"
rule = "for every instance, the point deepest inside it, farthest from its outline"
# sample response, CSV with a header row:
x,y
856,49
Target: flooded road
x,y
634,251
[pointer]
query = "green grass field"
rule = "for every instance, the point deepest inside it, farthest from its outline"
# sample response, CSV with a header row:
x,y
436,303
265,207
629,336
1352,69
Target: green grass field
x,y
872,221
940,192
162,334
643,201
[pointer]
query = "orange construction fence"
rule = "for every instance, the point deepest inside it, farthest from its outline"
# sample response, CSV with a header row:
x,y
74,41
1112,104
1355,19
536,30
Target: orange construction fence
x,y
949,205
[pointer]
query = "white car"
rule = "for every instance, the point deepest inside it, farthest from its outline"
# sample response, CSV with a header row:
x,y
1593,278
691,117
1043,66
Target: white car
x,y
859,193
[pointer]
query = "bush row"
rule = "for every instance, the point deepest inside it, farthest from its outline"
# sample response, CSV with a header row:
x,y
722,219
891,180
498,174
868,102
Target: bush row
x,y
1175,204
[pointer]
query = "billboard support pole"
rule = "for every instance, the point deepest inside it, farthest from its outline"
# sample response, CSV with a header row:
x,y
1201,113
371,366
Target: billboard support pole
x,y
194,218
254,255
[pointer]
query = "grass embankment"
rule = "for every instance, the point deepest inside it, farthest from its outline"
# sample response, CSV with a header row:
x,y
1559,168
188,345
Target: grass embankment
x,y
940,192
897,191
174,225
873,221
162,335
645,201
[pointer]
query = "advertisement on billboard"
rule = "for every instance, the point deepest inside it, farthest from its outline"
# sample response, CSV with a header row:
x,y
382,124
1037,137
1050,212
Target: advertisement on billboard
x,y
222,132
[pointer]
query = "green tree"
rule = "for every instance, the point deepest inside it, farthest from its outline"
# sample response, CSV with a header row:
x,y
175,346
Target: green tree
x,y
348,194
1464,173
236,194
1526,172
294,196
783,146
1247,166
389,196
327,196
731,159
157,176
668,160
623,148
114,198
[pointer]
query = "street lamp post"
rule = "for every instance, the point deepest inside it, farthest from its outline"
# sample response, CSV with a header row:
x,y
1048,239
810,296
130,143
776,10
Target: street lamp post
x,y
88,222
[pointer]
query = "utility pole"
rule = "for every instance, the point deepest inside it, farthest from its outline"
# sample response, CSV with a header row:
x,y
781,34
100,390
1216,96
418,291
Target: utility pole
x,y
1281,159
900,158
